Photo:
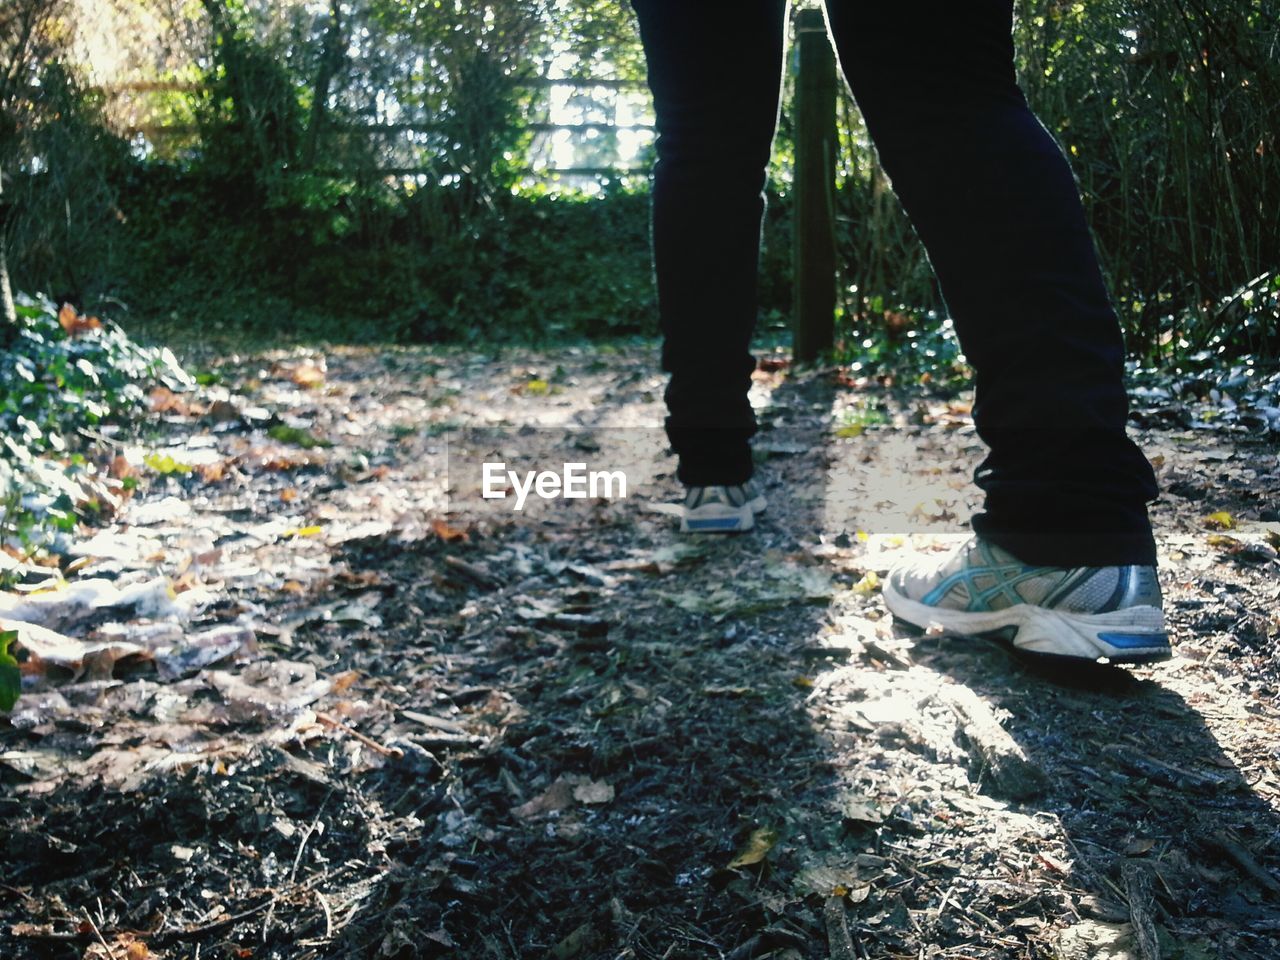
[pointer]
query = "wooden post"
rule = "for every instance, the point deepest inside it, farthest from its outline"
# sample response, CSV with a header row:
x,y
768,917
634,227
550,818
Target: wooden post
x,y
814,245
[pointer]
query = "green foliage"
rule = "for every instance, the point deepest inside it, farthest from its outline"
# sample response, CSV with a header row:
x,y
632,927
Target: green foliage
x,y
60,166
369,264
10,678
1168,114
166,465
905,345
297,436
53,386
357,171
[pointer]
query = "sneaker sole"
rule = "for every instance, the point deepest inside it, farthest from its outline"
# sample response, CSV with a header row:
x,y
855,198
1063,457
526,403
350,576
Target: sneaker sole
x,y
1132,635
718,518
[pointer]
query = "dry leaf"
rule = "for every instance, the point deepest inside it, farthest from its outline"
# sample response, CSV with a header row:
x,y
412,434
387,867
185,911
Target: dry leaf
x,y
869,583
757,847
343,681
862,811
121,468
447,533
51,653
558,796
224,411
1221,520
593,791
308,374
164,400
75,324
1226,543
212,472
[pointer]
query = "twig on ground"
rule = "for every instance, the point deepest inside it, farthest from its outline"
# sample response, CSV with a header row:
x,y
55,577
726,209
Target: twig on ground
x,y
1243,859
471,571
297,859
1137,884
111,954
328,916
372,744
996,756
838,940
167,935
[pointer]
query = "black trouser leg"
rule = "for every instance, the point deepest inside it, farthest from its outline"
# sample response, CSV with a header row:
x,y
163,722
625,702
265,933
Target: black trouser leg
x,y
992,198
714,68
994,202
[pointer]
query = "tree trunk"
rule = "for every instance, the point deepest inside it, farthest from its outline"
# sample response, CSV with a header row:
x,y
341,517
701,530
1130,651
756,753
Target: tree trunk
x,y
8,313
330,61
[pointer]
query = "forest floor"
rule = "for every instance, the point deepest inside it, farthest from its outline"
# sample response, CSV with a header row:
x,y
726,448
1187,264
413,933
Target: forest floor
x,y
310,696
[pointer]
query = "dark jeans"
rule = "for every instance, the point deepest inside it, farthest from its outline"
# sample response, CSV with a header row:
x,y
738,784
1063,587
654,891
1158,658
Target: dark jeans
x,y
990,195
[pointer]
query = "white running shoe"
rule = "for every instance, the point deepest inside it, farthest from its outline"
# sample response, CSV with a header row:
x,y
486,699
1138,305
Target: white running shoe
x,y
1092,613
727,509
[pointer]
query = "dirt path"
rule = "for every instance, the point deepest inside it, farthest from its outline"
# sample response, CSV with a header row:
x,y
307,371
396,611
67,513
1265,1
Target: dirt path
x,y
366,713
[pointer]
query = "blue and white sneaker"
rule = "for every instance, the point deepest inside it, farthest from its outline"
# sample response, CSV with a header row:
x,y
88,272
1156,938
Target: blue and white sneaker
x,y
1092,613
730,509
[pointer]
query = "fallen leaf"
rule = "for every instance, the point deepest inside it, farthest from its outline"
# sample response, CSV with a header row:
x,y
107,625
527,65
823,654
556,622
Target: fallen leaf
x,y
1226,543
10,678
297,436
308,374
74,323
758,845
1221,520
212,472
164,464
558,796
869,583
447,533
861,811
121,468
81,659
593,791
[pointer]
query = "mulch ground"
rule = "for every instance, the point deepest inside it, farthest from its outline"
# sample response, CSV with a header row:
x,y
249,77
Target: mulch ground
x,y
323,700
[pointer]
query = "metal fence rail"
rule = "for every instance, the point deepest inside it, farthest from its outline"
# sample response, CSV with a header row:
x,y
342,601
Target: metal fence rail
x,y
158,133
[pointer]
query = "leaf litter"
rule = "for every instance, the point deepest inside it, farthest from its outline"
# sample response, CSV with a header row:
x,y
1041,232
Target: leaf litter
x,y
292,700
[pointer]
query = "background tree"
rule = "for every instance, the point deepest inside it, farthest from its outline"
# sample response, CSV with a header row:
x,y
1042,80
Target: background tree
x,y
25,34
369,163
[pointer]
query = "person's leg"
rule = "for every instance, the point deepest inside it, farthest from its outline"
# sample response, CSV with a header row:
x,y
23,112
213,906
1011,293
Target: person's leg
x,y
714,68
994,201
